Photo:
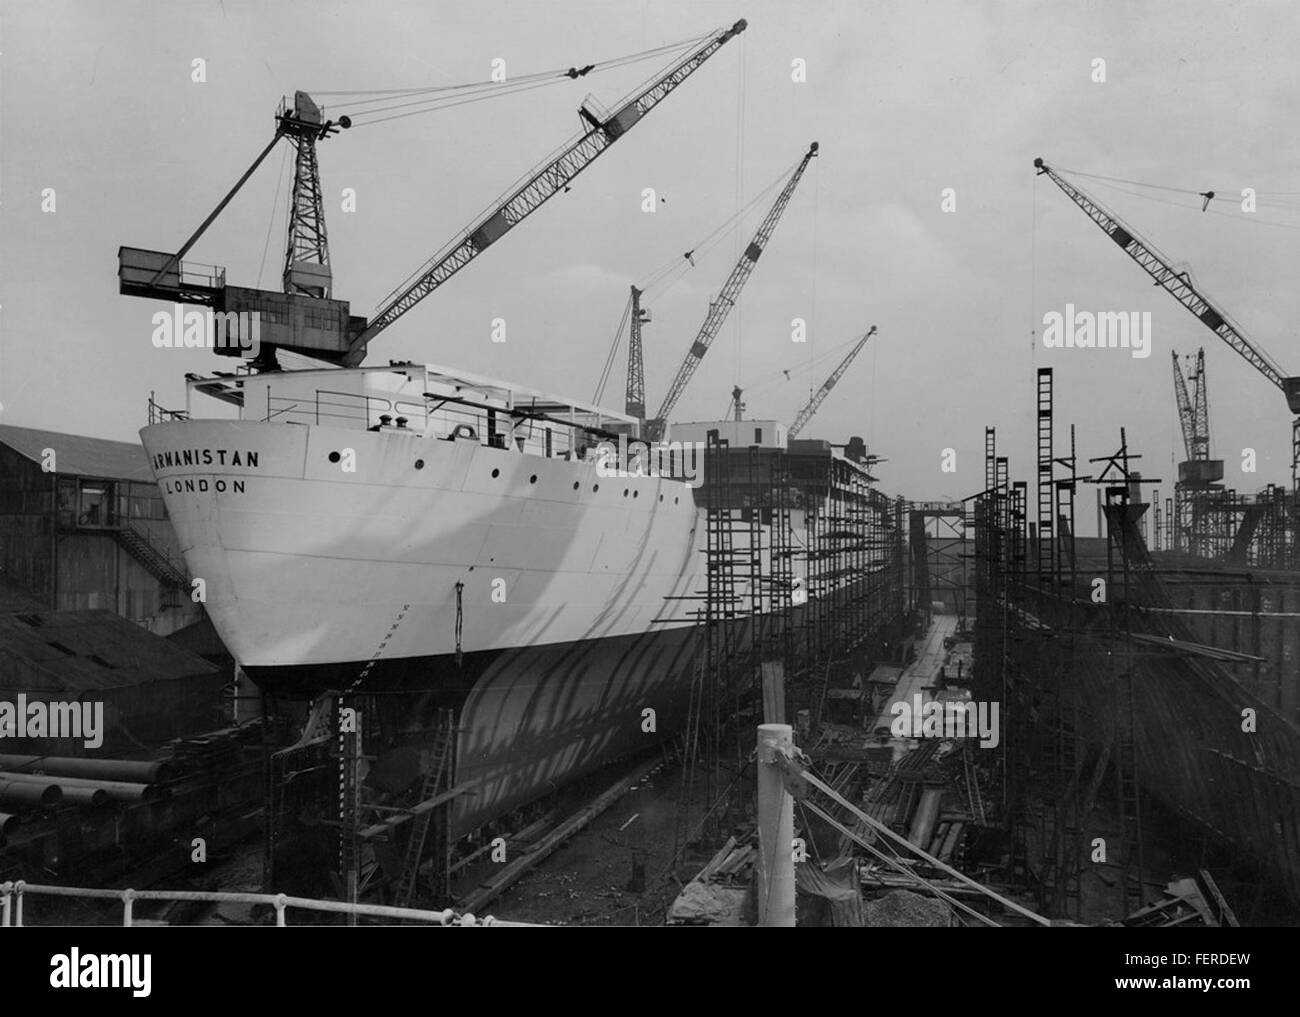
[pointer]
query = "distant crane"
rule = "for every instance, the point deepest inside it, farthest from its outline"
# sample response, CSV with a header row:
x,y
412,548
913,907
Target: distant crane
x,y
1194,419
303,318
720,308
819,397
635,403
1180,287
1198,473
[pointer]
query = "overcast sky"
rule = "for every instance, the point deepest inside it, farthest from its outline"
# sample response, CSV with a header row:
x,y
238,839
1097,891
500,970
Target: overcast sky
x,y
905,98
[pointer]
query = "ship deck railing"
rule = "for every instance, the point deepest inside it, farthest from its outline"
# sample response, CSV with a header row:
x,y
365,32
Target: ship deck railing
x,y
14,893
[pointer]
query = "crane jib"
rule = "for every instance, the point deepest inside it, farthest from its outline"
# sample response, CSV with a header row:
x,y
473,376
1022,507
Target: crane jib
x,y
720,308
1178,285
550,179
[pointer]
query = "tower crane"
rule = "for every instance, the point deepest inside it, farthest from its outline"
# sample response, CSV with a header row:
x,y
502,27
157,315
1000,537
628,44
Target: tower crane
x,y
1194,419
1198,474
307,277
819,397
721,307
635,403
1179,285
304,318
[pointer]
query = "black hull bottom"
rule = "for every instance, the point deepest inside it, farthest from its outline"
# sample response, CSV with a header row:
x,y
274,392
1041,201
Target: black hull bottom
x,y
532,718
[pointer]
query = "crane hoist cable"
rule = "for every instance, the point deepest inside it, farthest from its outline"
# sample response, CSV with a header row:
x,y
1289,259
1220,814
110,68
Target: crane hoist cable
x,y
1201,205
784,374
270,219
461,95
550,177
613,353
571,73
727,297
815,401
674,268
1221,194
662,279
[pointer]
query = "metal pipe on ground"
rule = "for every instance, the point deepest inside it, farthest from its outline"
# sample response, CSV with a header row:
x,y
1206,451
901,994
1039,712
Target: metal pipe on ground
x,y
21,792
116,790
8,823
926,814
95,797
130,771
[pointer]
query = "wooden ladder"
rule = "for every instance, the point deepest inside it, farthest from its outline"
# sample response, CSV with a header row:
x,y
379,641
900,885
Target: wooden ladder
x,y
435,781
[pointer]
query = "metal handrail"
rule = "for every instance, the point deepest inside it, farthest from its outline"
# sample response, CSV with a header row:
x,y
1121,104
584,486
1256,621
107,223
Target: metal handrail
x,y
12,894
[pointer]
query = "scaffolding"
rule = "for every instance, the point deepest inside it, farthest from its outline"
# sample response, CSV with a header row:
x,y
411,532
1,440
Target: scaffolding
x,y
1111,695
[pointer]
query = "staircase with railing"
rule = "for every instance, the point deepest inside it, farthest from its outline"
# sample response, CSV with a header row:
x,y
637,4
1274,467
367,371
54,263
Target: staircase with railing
x,y
155,561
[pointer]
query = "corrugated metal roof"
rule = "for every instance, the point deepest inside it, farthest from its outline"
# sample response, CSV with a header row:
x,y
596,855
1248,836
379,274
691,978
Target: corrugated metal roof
x,y
79,455
82,651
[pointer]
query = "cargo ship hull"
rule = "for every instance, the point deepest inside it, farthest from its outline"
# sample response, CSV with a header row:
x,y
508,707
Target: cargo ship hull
x,y
552,604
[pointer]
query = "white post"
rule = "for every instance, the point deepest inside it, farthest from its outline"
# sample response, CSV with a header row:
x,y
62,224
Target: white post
x,y
775,869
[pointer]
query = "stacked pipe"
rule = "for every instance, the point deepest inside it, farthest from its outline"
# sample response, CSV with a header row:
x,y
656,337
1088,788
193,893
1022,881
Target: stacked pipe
x,y
149,772
43,781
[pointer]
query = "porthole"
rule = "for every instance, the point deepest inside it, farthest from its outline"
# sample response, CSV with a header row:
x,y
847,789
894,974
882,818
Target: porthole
x,y
625,492
335,457
635,493
595,487
674,500
533,479
495,474
576,485
419,464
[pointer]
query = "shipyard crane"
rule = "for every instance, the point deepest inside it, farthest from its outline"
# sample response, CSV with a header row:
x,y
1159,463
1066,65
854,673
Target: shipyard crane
x,y
303,318
544,182
819,397
720,308
1198,473
1179,285
1194,417
307,277
635,402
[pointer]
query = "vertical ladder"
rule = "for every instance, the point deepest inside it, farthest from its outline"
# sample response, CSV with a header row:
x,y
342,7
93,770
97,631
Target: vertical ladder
x,y
973,797
1046,493
1127,787
720,602
437,779
780,563
349,790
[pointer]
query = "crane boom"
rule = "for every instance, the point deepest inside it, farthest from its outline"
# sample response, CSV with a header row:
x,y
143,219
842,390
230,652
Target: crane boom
x,y
1176,284
720,308
806,414
1186,415
547,180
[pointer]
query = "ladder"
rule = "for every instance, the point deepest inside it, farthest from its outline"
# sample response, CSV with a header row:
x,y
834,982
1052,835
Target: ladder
x,y
817,700
1126,767
973,797
436,780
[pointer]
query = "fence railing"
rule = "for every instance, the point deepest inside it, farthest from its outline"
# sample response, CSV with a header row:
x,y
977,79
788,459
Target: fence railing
x,y
12,895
